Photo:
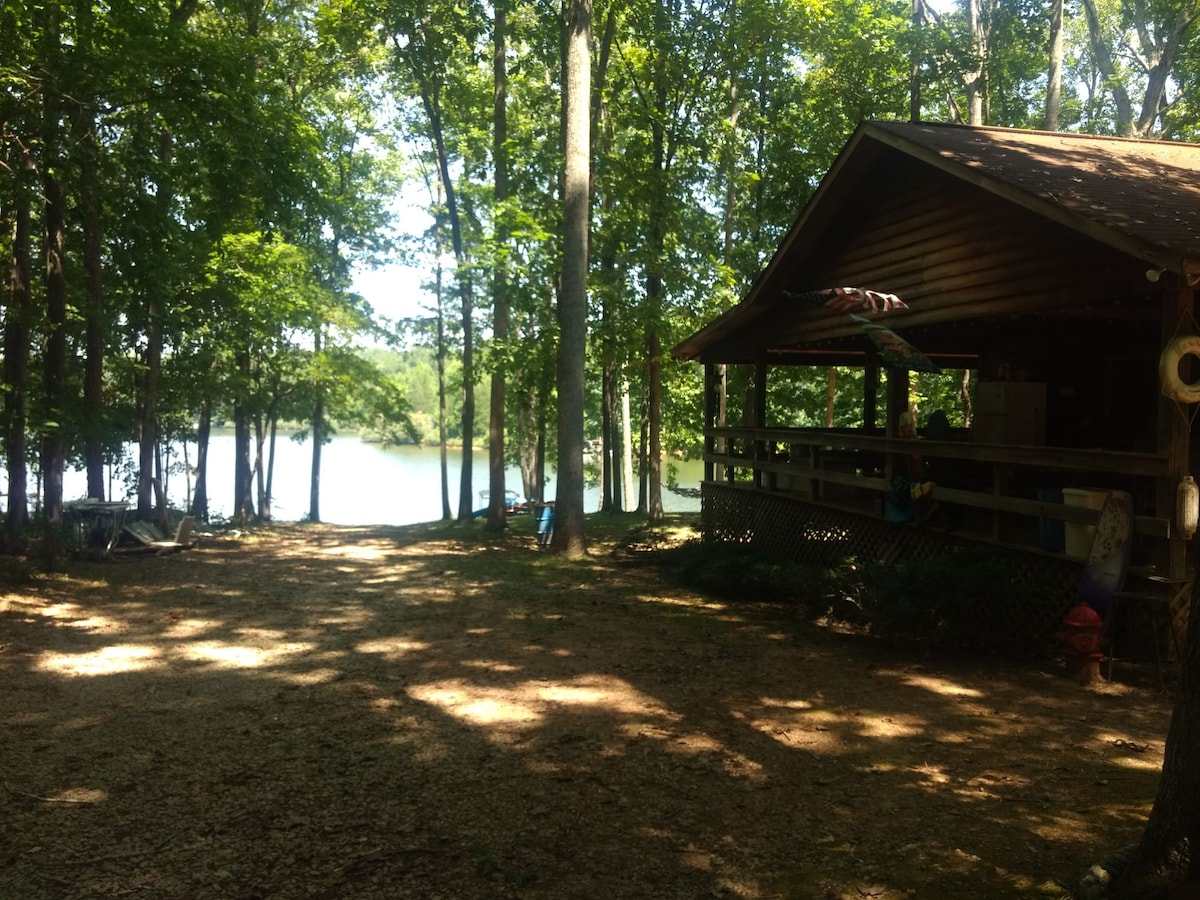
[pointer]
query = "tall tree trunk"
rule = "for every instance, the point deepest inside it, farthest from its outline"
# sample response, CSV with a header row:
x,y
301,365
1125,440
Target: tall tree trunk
x,y
440,243
601,136
88,152
18,310
914,75
1054,70
1103,60
156,302
54,360
1161,56
497,513
465,488
654,279
569,530
976,78
431,101
731,180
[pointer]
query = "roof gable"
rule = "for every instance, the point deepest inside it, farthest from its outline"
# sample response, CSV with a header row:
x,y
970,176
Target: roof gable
x,y
1141,192
1059,193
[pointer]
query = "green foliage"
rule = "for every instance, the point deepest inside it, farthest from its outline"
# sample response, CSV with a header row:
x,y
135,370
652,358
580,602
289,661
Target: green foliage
x,y
245,160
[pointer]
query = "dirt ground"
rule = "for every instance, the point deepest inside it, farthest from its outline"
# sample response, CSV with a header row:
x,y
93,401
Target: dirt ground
x,y
331,712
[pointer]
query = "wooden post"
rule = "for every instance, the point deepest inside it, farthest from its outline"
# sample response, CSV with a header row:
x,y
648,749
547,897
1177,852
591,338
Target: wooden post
x,y
897,403
1173,437
870,419
760,415
711,405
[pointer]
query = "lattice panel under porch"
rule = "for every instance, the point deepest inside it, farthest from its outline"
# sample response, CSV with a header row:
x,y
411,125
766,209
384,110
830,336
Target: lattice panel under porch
x,y
819,535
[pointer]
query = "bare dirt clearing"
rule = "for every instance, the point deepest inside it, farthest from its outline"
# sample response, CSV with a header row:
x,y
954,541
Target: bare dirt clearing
x,y
424,712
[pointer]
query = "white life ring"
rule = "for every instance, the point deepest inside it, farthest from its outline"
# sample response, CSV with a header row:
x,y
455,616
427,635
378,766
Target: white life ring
x,y
1168,369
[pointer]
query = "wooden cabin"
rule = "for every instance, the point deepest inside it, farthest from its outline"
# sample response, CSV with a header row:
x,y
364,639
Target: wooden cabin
x,y
1052,270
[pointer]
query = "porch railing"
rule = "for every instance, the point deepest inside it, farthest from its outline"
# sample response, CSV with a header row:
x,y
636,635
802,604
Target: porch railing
x,y
1000,492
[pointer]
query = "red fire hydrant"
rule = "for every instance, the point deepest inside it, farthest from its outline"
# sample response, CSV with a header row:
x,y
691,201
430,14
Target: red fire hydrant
x,y
1082,636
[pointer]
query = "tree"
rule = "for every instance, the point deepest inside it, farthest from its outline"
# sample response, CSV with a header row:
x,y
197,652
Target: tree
x,y
1167,861
426,43
1054,69
569,529
497,511
1134,46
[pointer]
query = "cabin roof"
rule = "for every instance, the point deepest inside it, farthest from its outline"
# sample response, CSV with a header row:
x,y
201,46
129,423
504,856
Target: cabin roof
x,y
1138,197
1145,190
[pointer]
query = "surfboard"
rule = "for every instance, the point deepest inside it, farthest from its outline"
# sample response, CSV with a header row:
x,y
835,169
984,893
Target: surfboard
x,y
1108,560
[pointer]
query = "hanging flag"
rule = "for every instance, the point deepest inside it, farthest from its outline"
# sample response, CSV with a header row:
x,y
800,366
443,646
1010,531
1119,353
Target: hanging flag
x,y
896,352
850,299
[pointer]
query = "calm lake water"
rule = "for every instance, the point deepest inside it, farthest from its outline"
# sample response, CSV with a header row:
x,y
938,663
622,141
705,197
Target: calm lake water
x,y
364,484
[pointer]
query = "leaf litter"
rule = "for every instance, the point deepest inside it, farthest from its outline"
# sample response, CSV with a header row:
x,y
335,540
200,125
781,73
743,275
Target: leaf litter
x,y
335,712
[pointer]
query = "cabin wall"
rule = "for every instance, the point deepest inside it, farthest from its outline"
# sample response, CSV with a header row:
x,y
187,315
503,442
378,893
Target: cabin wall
x,y
949,248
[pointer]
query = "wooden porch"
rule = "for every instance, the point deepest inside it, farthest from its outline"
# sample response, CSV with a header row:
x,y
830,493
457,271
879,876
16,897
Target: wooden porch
x,y
1051,271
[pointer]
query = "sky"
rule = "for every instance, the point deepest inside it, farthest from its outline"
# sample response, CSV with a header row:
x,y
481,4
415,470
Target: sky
x,y
394,290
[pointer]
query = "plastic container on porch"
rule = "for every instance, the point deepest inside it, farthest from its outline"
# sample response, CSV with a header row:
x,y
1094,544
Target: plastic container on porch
x,y
1078,536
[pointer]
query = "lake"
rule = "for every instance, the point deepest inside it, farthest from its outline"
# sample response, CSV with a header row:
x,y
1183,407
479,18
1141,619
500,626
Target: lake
x,y
363,483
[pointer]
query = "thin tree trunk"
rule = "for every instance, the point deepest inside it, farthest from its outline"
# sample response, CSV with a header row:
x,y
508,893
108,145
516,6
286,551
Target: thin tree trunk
x,y
914,76
654,510
199,507
54,361
318,436
654,280
272,436
626,449
643,441
1054,69
610,488
430,100
262,498
17,313
88,154
441,374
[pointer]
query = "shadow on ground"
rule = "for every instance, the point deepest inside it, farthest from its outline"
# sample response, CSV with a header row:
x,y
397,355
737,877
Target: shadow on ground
x,y
324,712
